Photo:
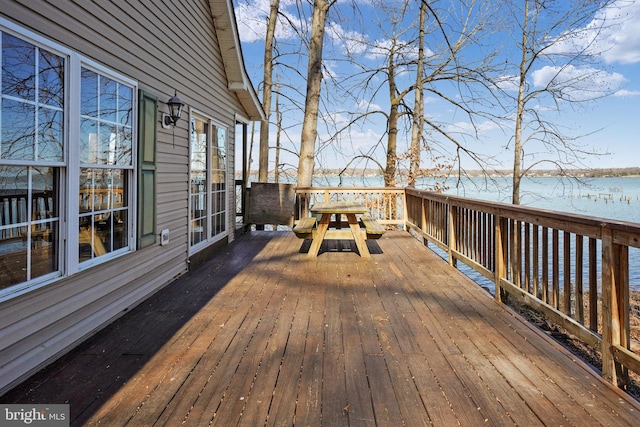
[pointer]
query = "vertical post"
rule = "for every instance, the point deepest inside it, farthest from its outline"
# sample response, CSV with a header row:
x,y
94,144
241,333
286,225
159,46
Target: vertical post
x,y
424,219
500,239
452,231
579,280
615,310
567,273
593,285
536,262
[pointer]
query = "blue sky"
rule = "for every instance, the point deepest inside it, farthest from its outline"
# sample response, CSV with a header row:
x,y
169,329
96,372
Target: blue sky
x,y
610,125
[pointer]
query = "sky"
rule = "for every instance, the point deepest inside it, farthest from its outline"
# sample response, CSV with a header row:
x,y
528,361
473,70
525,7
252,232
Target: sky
x,y
609,125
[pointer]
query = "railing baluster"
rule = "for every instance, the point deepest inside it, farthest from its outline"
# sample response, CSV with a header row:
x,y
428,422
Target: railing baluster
x,y
567,272
511,246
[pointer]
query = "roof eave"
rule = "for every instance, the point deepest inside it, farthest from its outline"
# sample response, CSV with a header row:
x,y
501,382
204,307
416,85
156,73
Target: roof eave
x,y
237,78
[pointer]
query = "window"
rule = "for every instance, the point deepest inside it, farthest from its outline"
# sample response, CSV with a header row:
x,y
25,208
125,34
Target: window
x,y
106,163
31,160
208,175
59,146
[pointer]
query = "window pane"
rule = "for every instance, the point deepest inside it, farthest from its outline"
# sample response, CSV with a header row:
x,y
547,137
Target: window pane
x,y
199,186
50,135
51,86
22,137
45,228
44,184
88,141
18,130
198,231
123,152
89,93
108,99
107,145
44,252
218,178
18,68
13,253
14,192
103,212
120,229
28,223
125,106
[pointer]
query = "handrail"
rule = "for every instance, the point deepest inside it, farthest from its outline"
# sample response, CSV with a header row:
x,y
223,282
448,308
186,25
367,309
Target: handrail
x,y
572,268
386,205
545,259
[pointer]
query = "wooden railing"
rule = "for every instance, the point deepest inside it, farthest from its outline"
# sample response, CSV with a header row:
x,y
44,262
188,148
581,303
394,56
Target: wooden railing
x,y
572,268
386,205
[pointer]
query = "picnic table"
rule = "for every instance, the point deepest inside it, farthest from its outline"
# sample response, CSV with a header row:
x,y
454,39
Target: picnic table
x,y
327,210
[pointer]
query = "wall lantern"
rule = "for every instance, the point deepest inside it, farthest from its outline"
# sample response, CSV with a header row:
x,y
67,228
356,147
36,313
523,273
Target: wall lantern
x,y
175,111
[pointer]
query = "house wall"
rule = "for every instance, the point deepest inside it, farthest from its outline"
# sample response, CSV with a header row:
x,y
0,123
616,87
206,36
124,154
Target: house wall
x,y
153,44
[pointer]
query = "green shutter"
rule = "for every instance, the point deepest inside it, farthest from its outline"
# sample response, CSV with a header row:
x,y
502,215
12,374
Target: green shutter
x,y
147,130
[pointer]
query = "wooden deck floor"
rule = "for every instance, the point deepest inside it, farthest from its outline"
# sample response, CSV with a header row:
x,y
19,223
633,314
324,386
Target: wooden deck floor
x,y
263,335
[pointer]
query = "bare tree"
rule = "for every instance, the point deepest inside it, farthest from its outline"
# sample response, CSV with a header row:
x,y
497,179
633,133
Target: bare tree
x,y
418,109
442,68
557,39
312,100
267,83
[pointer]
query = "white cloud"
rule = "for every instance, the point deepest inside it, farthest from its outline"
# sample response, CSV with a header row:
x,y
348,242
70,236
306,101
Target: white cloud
x,y
508,83
620,42
352,42
471,128
578,83
613,34
251,17
627,93
364,105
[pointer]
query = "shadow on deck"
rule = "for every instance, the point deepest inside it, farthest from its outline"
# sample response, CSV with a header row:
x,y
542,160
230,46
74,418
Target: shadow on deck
x,y
263,335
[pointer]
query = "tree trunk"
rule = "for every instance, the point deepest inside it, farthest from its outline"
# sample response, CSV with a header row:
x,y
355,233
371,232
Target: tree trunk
x,y
518,143
392,139
312,101
418,110
263,169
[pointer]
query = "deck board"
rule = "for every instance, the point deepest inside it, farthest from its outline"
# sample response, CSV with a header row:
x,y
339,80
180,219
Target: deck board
x,y
263,335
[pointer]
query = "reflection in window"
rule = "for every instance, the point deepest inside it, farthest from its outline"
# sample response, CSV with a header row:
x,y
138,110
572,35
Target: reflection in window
x,y
219,176
29,223
32,102
105,124
208,181
34,151
198,188
105,140
32,138
103,212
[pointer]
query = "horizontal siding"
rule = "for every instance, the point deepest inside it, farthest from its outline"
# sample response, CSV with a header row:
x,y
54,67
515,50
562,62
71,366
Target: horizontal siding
x,y
163,49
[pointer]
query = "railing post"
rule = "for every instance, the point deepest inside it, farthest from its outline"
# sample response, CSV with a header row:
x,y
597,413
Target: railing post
x,y
424,217
500,261
615,310
452,238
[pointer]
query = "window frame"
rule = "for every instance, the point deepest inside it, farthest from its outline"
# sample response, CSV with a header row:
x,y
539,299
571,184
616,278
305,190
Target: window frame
x,y
210,238
73,261
69,168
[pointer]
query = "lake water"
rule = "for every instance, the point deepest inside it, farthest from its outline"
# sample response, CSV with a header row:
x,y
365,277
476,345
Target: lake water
x,y
613,198
608,198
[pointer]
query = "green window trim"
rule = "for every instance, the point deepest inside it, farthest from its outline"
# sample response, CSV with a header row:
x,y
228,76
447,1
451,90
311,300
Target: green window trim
x,y
147,133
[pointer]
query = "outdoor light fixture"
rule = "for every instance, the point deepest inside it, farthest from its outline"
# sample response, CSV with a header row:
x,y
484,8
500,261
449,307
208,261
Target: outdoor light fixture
x,y
175,111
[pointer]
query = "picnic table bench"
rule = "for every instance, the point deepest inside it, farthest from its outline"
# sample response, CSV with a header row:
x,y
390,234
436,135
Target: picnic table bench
x,y
358,230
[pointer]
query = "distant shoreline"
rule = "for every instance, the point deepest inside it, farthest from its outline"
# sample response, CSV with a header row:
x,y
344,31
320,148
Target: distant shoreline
x,y
630,172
